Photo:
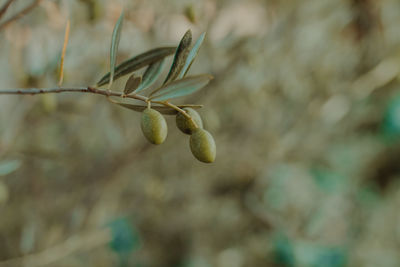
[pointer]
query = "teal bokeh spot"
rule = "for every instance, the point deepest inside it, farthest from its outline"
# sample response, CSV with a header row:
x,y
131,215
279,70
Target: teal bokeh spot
x,y
9,166
292,253
125,238
319,255
391,119
283,251
327,180
368,196
334,257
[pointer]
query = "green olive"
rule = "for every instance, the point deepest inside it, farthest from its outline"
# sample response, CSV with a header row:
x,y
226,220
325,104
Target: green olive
x,y
203,146
154,126
185,125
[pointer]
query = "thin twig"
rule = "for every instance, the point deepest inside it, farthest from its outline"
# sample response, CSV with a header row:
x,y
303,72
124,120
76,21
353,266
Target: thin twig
x,y
5,7
19,14
93,90
63,54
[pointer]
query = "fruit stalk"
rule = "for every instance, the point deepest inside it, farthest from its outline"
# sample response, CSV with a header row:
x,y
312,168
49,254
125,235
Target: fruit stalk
x,y
184,113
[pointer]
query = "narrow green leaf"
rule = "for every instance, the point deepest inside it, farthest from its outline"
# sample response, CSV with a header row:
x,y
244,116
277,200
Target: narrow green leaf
x,y
150,75
180,57
132,83
162,109
138,62
181,87
192,55
116,36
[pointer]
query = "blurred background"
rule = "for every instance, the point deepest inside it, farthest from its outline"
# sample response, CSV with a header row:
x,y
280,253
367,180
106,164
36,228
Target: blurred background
x,y
304,108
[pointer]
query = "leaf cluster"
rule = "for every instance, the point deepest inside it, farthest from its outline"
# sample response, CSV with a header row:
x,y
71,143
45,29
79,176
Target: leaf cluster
x,y
176,83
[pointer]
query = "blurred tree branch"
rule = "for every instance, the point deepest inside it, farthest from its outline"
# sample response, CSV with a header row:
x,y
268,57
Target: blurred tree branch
x,y
3,10
19,14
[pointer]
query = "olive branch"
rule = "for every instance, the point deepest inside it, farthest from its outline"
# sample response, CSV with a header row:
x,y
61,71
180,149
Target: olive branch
x,y
157,102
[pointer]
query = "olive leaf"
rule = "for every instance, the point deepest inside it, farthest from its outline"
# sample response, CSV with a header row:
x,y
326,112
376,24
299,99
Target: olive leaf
x,y
180,57
162,109
116,36
192,55
132,83
150,75
138,62
181,87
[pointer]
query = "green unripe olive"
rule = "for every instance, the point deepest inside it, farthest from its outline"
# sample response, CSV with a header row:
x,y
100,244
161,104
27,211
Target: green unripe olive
x,y
184,124
203,146
154,126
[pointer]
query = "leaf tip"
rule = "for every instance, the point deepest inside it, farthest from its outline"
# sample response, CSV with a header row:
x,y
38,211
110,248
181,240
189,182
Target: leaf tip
x,y
187,37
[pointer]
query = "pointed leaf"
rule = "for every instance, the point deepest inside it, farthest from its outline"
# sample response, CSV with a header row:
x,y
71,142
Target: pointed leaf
x,y
192,55
181,87
116,36
150,75
132,83
138,62
162,109
180,57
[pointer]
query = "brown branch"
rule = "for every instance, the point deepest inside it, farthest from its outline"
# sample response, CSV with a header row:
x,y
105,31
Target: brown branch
x,y
92,90
20,14
5,7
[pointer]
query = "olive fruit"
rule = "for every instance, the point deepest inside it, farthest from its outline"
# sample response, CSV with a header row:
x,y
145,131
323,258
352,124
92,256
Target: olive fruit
x,y
185,125
154,126
203,146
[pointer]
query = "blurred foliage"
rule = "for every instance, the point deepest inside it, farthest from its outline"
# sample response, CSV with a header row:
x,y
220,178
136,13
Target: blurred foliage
x,y
391,120
304,108
124,238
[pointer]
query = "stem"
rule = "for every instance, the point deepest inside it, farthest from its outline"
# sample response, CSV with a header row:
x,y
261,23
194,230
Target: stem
x,y
184,113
